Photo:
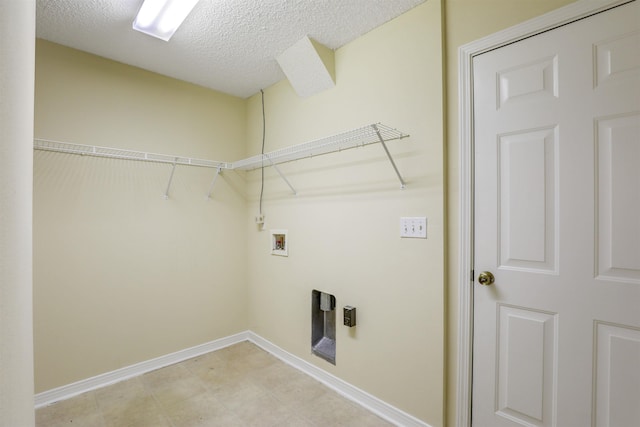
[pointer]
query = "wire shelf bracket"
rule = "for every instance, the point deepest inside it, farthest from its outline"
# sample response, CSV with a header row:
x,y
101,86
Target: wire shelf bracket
x,y
173,169
386,150
295,193
213,182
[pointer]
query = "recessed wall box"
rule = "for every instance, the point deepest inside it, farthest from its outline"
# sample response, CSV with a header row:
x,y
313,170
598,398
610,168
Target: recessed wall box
x,y
323,325
349,316
279,243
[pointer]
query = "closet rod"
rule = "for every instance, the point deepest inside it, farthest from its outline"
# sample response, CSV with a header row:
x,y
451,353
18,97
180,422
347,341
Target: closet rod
x,y
117,153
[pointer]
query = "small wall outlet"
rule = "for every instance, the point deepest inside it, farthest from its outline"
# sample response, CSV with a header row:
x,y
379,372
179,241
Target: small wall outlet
x,y
260,219
413,227
349,316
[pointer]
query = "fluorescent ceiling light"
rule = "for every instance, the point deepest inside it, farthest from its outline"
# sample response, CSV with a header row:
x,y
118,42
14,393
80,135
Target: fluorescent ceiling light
x,y
161,18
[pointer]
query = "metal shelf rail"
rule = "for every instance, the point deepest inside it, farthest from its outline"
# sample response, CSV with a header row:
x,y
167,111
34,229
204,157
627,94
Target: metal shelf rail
x,y
366,135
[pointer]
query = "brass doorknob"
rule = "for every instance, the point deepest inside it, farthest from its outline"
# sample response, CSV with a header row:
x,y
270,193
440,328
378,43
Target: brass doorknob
x,y
486,278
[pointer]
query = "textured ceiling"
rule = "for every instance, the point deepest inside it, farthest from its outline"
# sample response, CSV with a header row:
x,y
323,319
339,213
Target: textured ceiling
x,y
226,45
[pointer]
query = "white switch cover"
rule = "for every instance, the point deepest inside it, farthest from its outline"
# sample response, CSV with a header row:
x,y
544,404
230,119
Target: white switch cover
x,y
413,227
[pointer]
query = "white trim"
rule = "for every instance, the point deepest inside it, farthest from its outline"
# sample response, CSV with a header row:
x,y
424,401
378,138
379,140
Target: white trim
x,y
371,403
554,19
65,392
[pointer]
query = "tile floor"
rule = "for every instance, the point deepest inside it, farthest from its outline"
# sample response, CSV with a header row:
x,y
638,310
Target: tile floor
x,y
241,385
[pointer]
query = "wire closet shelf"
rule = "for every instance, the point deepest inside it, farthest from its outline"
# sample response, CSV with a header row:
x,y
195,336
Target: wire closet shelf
x,y
117,153
366,135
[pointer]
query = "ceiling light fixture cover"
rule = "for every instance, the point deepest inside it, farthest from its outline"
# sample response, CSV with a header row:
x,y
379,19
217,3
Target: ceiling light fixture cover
x,y
161,18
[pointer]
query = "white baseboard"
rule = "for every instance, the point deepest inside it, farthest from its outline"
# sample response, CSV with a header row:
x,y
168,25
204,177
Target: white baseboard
x,y
372,403
65,392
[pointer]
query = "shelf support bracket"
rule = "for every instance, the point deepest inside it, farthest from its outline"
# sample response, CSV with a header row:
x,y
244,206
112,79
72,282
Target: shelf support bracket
x,y
281,175
215,177
386,150
173,169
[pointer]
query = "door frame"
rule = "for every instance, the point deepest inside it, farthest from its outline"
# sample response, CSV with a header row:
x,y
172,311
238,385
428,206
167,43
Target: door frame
x,y
559,17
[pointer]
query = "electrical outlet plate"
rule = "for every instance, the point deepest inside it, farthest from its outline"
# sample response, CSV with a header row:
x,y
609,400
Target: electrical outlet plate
x,y
413,227
260,219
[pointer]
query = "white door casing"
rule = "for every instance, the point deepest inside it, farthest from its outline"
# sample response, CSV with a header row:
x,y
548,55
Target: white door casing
x,y
529,230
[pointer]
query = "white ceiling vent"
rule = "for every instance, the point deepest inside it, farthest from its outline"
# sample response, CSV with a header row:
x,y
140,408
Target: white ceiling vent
x,y
309,66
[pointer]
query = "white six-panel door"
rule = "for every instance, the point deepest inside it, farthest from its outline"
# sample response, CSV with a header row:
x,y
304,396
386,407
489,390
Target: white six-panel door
x,y
557,222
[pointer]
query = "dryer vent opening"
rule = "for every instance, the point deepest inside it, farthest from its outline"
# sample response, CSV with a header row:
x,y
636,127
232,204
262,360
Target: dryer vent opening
x,y
323,325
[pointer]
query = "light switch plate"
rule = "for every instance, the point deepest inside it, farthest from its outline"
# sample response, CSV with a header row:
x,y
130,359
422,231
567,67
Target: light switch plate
x,y
413,227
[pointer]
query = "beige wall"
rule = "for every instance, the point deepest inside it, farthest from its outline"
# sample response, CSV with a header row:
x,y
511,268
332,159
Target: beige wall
x,y
466,21
344,223
120,274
